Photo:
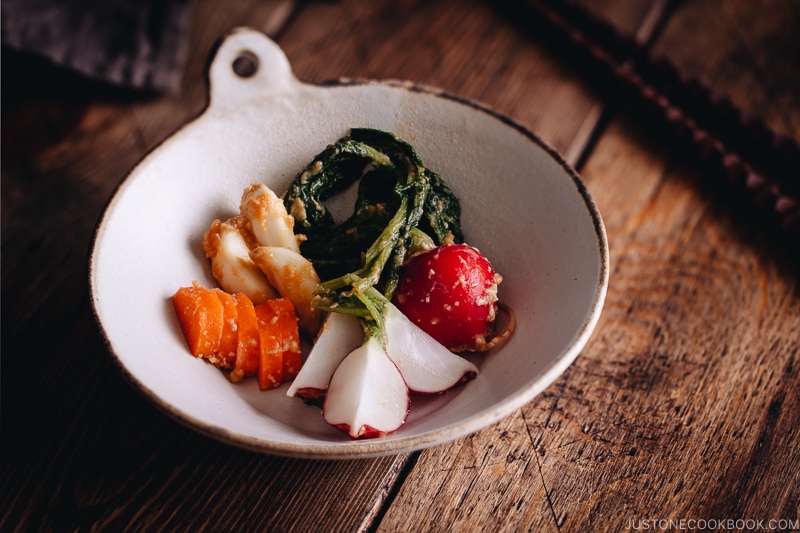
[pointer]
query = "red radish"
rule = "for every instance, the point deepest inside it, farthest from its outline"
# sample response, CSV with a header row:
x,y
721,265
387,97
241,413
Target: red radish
x,y
450,292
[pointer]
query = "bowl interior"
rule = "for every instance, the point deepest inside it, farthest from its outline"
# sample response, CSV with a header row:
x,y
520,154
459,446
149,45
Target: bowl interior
x,y
522,207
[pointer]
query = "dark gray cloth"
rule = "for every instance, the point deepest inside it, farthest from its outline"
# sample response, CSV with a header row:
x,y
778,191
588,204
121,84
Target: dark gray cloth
x,y
139,44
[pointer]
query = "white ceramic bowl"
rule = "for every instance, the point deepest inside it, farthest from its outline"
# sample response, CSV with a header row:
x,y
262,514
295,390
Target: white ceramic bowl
x,y
522,206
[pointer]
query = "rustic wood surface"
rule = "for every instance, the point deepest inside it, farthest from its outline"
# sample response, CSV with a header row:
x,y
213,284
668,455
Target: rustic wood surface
x,y
684,405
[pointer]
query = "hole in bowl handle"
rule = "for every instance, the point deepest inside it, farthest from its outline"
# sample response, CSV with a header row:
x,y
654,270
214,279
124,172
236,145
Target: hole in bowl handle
x,y
248,65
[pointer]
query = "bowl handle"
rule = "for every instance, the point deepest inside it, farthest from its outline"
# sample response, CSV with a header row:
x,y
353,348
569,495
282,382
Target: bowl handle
x,y
248,65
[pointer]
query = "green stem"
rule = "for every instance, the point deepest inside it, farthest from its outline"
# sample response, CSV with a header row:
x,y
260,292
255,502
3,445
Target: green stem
x,y
417,189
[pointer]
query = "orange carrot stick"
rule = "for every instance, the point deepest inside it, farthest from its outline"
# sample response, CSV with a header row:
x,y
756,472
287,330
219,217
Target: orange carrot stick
x,y
270,373
228,343
200,314
287,324
248,353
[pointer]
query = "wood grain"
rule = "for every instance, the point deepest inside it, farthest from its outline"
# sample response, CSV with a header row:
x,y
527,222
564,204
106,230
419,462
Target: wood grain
x,y
684,404
678,405
468,48
671,406
81,450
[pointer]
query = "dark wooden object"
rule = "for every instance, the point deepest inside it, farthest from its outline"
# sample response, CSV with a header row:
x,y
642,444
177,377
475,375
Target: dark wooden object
x,y
684,404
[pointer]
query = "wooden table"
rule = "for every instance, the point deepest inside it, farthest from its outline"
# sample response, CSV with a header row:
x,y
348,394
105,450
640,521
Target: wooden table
x,y
682,411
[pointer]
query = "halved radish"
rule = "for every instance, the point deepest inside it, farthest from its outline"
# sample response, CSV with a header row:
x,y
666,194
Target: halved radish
x,y
339,335
367,396
426,366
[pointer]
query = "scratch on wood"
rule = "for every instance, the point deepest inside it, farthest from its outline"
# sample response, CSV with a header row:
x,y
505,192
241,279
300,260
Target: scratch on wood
x,y
466,492
539,465
395,478
759,456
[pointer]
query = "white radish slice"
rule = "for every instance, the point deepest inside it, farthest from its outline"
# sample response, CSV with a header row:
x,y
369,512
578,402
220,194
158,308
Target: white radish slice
x,y
367,396
225,243
295,278
271,224
425,364
339,335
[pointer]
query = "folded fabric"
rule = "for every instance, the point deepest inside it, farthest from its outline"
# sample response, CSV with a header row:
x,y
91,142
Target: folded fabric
x,y
139,44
